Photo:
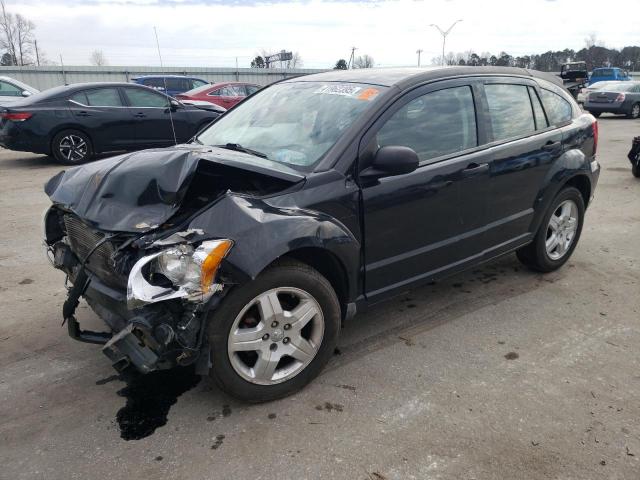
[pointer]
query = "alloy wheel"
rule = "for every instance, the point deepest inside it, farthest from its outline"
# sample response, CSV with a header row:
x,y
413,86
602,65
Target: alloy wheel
x,y
561,230
275,336
73,148
635,111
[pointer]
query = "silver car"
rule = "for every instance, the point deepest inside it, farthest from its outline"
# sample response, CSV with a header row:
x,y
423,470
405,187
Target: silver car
x,y
12,90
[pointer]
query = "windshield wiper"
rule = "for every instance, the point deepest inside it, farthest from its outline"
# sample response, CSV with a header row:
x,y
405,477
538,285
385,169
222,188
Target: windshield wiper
x,y
239,148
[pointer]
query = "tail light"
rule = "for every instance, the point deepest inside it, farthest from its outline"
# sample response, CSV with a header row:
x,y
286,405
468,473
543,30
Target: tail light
x,y
595,136
620,97
16,116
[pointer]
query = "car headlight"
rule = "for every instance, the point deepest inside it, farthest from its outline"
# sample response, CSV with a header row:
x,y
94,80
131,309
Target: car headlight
x,y
190,270
193,269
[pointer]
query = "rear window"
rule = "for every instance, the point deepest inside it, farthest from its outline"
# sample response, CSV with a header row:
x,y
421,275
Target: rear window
x,y
621,87
558,110
510,110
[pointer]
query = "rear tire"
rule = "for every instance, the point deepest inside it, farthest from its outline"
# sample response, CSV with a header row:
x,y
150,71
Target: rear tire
x,y
272,336
71,147
557,237
634,112
596,114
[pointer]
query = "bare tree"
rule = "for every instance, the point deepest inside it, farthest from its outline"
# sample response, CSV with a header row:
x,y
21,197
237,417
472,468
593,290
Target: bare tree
x,y
24,39
8,31
363,61
296,61
98,58
17,36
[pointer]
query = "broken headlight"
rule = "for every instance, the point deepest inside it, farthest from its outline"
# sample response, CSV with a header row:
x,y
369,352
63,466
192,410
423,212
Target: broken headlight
x,y
179,271
193,269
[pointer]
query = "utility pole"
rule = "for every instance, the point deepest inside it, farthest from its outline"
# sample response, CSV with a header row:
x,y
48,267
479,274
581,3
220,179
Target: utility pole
x,y
352,58
419,51
64,76
35,44
444,34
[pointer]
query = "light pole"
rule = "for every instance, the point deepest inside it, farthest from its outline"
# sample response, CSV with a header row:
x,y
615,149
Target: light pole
x,y
419,51
444,34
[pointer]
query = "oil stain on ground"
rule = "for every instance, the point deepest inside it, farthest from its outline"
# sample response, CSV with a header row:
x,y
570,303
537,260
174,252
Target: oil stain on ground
x,y
149,398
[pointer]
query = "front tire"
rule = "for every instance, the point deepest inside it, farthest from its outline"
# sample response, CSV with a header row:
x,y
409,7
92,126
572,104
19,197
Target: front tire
x,y
558,234
271,337
71,147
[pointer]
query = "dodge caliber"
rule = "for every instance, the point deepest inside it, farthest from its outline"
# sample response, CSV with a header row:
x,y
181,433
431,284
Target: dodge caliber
x,y
243,252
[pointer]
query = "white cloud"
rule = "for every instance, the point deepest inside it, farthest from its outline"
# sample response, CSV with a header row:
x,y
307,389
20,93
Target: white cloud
x,y
196,33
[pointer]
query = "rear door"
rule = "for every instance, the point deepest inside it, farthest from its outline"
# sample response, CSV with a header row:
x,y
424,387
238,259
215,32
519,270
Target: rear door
x,y
523,149
414,227
153,118
102,114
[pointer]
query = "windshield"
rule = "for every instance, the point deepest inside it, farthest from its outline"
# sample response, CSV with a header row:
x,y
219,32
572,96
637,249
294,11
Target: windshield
x,y
294,123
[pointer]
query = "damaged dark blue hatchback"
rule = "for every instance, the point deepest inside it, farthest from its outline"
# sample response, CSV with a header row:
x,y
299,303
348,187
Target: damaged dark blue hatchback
x,y
243,251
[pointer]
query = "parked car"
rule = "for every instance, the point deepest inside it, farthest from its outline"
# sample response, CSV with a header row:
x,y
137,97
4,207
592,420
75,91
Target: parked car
x,y
205,105
619,98
172,85
584,92
226,94
244,251
575,77
75,122
12,90
609,73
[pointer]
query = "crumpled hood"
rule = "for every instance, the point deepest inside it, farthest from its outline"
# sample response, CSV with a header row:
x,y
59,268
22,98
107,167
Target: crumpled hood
x,y
139,191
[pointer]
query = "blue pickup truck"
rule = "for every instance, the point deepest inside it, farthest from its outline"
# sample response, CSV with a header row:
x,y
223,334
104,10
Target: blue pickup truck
x,y
608,74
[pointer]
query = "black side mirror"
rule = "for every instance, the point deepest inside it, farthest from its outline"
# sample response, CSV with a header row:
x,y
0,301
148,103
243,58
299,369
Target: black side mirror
x,y
392,160
175,105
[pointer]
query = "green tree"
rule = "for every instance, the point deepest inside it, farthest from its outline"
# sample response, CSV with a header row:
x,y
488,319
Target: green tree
x,y
258,62
341,64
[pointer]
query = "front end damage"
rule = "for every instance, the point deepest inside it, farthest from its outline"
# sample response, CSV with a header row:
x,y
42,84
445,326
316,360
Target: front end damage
x,y
154,300
121,231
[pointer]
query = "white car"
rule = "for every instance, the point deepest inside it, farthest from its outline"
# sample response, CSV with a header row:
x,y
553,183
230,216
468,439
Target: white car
x,y
12,90
584,92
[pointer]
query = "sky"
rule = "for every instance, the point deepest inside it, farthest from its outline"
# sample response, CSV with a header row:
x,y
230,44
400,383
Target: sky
x,y
213,33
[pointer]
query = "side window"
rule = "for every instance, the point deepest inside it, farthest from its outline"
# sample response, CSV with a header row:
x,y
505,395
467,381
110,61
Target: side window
x,y
251,89
179,84
538,112
558,109
9,90
197,83
214,93
80,98
435,124
103,97
139,97
153,82
510,110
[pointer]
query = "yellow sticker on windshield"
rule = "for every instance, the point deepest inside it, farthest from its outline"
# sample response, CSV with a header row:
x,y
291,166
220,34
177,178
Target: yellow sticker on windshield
x,y
368,94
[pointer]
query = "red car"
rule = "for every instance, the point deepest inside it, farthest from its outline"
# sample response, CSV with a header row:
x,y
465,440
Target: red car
x,y
225,94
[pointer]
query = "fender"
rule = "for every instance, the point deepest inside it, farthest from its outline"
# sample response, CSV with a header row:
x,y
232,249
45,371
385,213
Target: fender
x,y
571,164
263,233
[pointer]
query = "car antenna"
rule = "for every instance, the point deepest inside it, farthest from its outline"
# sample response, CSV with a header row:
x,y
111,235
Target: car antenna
x,y
164,79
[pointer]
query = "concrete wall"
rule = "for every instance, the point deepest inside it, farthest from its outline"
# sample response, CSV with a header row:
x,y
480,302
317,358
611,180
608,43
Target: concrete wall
x,y
51,76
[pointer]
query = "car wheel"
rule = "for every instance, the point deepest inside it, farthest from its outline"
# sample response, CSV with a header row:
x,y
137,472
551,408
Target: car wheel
x,y
596,114
271,337
635,169
71,147
635,111
558,234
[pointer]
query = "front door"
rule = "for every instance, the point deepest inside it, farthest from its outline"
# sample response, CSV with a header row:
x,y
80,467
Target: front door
x,y
414,224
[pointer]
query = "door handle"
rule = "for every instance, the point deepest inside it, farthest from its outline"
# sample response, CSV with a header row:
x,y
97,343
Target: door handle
x,y
140,115
83,114
550,146
475,169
